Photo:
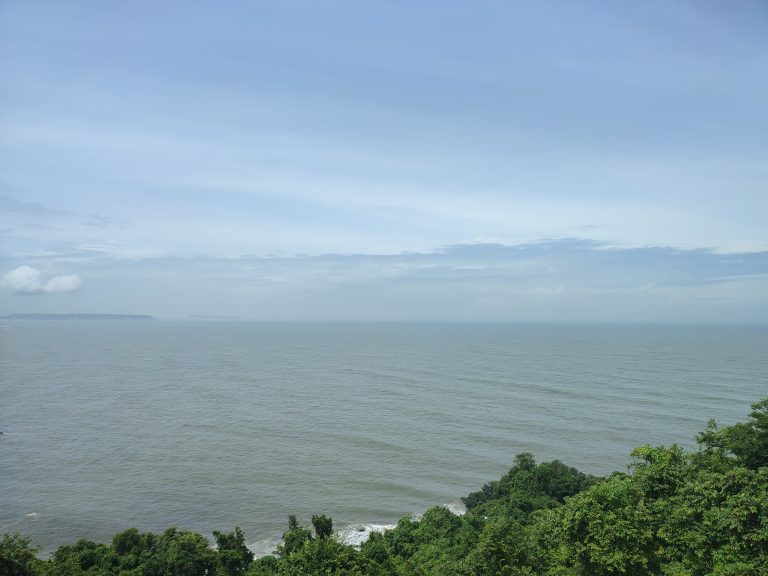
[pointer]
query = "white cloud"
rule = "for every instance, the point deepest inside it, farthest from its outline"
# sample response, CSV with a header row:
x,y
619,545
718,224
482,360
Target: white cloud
x,y
28,280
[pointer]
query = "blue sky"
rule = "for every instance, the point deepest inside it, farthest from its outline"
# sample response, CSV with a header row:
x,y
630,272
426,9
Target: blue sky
x,y
552,161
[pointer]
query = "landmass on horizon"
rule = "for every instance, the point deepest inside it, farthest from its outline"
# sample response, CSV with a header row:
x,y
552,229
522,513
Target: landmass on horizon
x,y
78,317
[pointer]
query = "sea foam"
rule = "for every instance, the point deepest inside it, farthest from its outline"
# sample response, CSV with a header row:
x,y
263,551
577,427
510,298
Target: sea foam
x,y
357,534
353,535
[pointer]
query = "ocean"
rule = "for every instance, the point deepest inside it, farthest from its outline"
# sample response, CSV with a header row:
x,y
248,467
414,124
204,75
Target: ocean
x,y
210,425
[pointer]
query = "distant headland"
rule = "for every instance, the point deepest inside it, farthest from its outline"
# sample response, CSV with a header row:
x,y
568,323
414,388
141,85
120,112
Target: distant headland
x,y
78,317
212,317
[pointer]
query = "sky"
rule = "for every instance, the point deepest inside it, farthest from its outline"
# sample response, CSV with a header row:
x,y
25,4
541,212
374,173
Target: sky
x,y
553,161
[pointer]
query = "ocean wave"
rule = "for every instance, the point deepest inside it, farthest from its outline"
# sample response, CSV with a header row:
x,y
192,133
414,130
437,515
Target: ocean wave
x,y
353,534
357,534
266,547
456,508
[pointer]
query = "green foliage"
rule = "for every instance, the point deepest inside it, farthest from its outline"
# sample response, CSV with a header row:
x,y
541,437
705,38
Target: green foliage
x,y
527,487
747,441
609,529
323,526
294,539
136,552
17,556
184,553
718,522
503,549
233,556
676,513
323,556
84,557
437,542
265,566
376,551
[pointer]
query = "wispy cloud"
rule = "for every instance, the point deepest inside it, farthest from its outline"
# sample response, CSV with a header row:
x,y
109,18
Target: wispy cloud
x,y
28,280
153,168
9,204
550,280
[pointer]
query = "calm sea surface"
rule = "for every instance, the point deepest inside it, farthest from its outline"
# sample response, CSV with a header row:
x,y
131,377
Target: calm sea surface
x,y
208,425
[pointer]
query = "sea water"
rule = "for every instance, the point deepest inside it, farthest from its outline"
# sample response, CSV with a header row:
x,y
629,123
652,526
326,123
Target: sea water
x,y
210,425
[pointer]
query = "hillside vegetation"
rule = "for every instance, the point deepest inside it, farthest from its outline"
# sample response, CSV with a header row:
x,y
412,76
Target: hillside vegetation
x,y
677,512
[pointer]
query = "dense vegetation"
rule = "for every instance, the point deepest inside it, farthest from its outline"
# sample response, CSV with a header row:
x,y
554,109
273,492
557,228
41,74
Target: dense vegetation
x,y
676,513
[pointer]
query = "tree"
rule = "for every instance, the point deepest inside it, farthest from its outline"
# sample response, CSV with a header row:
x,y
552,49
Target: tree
x,y
184,553
84,556
323,526
747,441
233,556
128,542
294,539
501,551
17,556
677,513
610,530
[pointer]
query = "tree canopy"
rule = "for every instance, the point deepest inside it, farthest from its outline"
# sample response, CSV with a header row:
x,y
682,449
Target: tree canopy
x,y
675,512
